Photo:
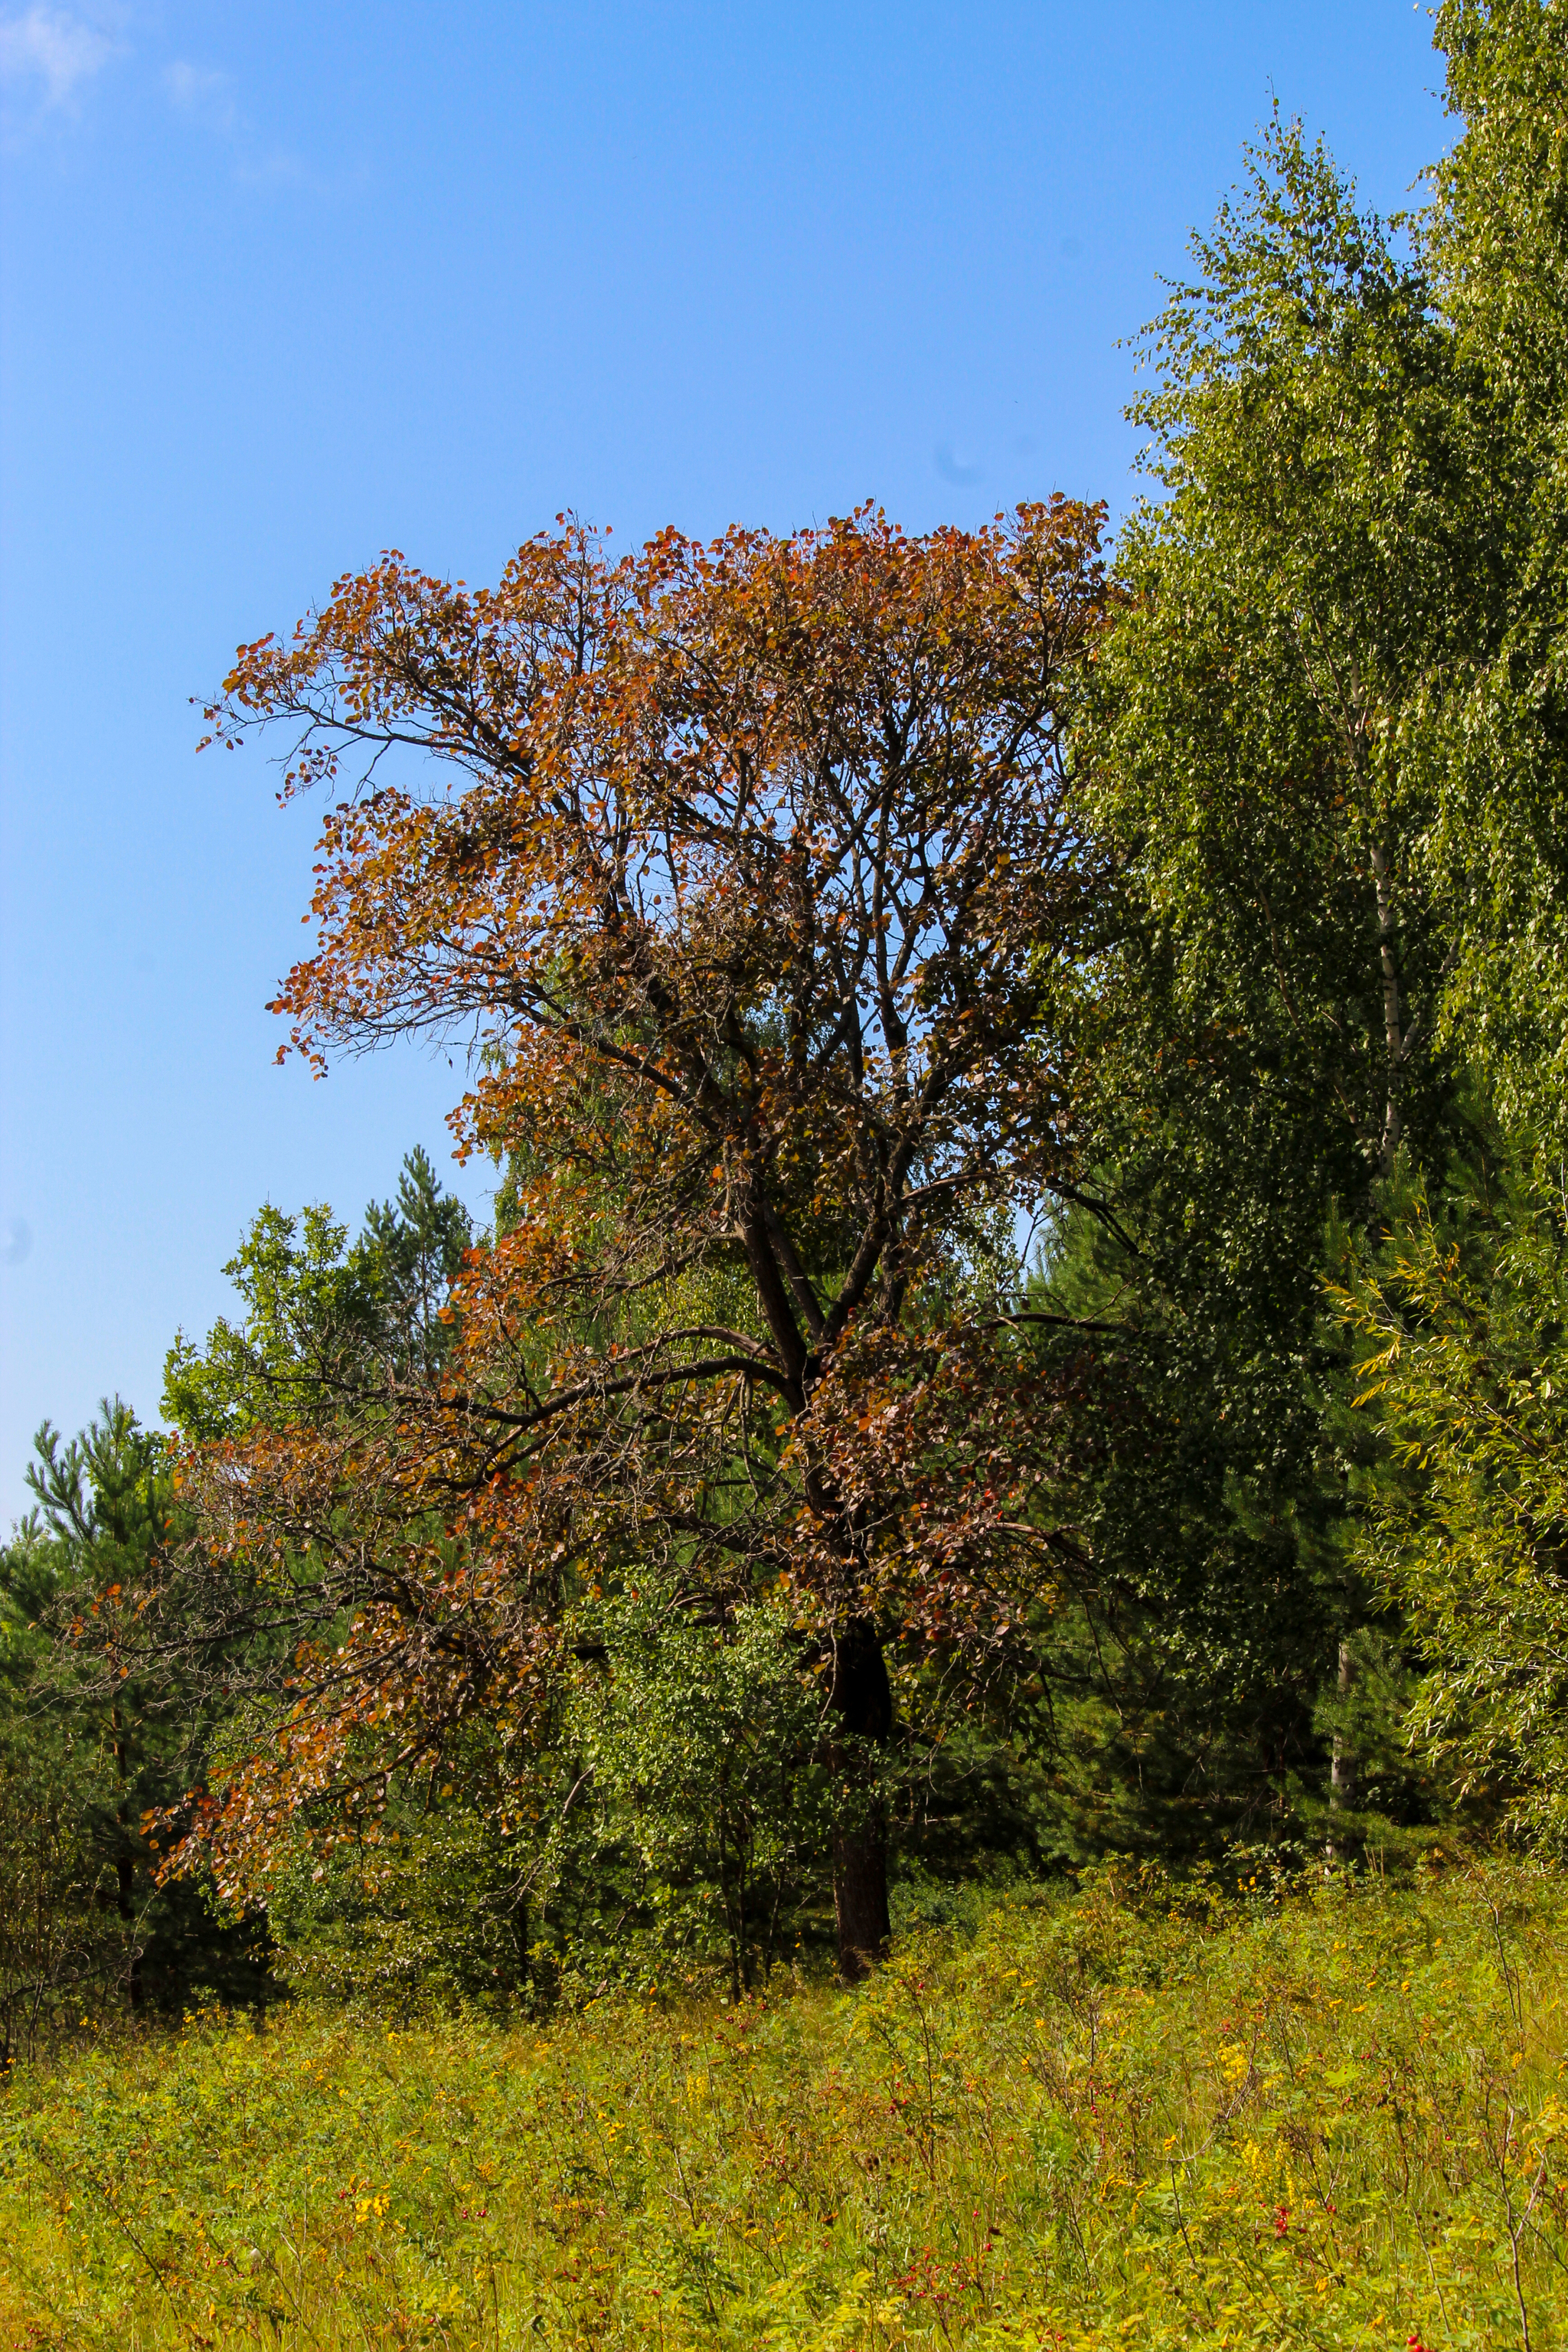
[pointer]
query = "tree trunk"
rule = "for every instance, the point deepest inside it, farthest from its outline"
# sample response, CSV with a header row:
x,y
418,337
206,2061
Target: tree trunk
x,y
1343,1772
1392,1021
125,1903
125,1867
862,1699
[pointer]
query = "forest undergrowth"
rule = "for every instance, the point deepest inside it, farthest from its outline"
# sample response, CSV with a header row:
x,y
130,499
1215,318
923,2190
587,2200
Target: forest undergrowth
x,y
1137,2115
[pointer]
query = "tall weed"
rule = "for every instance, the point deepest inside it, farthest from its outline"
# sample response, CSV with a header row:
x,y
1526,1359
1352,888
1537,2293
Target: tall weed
x,y
1133,2117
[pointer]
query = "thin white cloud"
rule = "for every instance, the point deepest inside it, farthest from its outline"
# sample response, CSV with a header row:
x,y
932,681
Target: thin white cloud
x,y
205,96
53,51
202,91
281,169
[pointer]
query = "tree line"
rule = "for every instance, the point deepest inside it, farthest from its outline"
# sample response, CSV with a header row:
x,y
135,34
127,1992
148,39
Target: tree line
x,y
1024,1308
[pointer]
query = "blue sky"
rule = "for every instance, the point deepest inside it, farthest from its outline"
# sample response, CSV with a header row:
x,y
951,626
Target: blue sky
x,y
288,285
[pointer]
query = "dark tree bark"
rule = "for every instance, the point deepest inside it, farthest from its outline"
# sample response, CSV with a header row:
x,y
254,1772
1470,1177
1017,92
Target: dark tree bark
x,y
862,1699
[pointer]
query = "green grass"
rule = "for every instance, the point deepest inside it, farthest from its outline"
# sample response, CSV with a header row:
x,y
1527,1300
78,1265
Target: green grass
x,y
1117,2120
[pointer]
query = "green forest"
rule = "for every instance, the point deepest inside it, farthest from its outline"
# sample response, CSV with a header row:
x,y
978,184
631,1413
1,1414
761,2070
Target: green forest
x,y
924,1699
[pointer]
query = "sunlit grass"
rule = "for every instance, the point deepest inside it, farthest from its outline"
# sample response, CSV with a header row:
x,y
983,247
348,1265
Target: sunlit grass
x,y
1109,2121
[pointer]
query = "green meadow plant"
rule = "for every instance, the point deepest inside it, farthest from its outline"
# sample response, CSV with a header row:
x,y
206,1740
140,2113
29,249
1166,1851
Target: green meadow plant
x,y
1141,2115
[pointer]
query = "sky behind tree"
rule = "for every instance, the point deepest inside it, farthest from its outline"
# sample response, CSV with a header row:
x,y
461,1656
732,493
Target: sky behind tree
x,y
287,286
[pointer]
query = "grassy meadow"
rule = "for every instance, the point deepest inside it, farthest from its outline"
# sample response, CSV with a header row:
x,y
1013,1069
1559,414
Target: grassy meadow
x,y
1120,2119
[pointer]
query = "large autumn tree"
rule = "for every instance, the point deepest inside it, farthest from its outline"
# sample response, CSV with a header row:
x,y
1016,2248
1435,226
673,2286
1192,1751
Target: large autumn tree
x,y
748,875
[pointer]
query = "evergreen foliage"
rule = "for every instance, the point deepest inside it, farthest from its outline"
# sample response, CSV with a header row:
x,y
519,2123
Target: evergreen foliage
x,y
95,1739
